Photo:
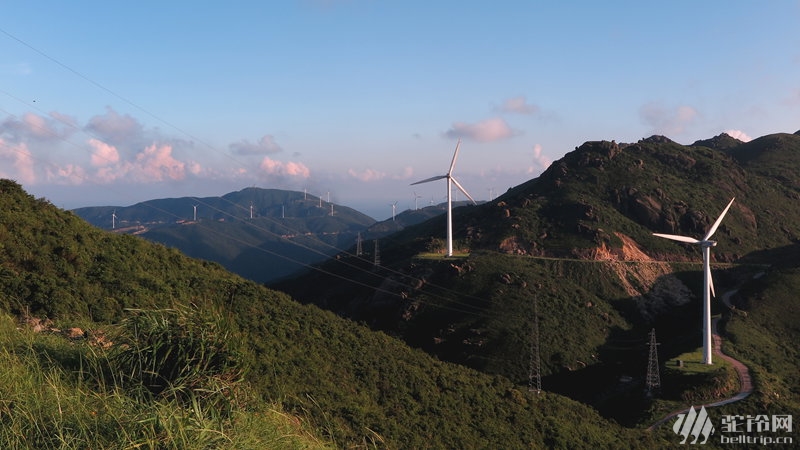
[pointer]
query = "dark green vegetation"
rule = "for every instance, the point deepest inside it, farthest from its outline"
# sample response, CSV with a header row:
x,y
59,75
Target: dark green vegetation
x,y
350,385
287,231
578,240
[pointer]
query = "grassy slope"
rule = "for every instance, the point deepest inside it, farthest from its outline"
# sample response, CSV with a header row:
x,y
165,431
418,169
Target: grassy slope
x,y
355,385
48,399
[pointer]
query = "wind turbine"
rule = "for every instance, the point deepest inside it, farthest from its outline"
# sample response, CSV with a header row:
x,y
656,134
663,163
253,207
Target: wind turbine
x,y
394,209
114,219
708,284
450,181
195,212
416,200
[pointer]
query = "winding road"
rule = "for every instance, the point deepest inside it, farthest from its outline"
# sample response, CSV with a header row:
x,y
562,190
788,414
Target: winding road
x,y
745,382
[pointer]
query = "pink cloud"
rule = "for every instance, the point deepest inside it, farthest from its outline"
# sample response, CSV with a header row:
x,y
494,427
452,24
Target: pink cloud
x,y
33,127
156,163
71,174
518,105
279,168
102,153
21,159
367,175
488,130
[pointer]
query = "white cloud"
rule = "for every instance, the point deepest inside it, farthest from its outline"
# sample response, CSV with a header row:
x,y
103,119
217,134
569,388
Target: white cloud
x,y
737,134
667,121
489,130
115,128
540,160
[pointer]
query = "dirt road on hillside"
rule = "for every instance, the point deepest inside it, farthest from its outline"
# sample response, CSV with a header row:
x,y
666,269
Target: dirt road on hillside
x,y
745,382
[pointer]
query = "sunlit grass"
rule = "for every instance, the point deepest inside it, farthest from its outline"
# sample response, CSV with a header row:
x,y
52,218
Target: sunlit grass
x,y
45,404
442,256
691,363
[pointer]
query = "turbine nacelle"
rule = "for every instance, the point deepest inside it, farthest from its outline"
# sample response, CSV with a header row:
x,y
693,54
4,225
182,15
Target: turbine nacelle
x,y
450,181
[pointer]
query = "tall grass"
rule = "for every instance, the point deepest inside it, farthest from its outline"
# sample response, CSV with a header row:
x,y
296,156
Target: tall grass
x,y
56,393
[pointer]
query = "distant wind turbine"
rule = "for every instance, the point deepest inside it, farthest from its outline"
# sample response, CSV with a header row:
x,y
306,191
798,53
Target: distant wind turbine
x,y
195,212
708,284
416,200
114,219
450,181
394,209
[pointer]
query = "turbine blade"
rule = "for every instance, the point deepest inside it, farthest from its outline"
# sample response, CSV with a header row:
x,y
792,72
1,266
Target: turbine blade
x,y
458,185
428,180
675,237
455,155
711,284
719,220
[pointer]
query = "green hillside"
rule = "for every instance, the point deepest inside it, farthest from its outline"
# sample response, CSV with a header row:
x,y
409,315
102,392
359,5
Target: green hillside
x,y
578,240
206,335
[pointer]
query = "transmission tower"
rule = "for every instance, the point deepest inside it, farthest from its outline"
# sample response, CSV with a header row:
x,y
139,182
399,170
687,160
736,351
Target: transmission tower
x,y
534,367
358,244
653,378
377,256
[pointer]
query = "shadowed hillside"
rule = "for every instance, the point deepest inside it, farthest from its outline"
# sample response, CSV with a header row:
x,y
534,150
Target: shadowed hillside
x,y
578,240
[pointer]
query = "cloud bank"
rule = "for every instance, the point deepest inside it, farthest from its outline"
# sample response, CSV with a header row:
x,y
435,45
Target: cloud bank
x,y
117,148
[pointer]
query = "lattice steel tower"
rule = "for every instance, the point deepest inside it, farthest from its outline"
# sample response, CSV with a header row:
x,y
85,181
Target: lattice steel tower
x,y
653,378
377,256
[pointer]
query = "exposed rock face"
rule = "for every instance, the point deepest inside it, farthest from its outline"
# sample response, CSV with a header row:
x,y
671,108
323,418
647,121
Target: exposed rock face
x,y
651,284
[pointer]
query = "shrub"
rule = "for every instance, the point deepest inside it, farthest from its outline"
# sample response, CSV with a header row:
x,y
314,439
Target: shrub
x,y
187,353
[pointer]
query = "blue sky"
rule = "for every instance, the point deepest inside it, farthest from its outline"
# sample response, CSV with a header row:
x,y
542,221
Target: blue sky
x,y
112,103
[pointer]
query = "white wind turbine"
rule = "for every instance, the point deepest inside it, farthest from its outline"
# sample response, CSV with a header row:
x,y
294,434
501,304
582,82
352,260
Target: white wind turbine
x,y
708,284
450,181
394,209
114,219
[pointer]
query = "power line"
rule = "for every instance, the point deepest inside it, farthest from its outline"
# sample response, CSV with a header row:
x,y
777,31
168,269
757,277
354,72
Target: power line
x,y
194,138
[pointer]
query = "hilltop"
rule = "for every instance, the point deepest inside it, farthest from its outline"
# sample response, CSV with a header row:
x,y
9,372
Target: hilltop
x,y
260,234
578,242
343,382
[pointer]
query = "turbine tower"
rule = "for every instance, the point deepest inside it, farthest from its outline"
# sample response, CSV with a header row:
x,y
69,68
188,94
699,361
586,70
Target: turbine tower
x,y
394,209
708,285
450,181
114,219
194,207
